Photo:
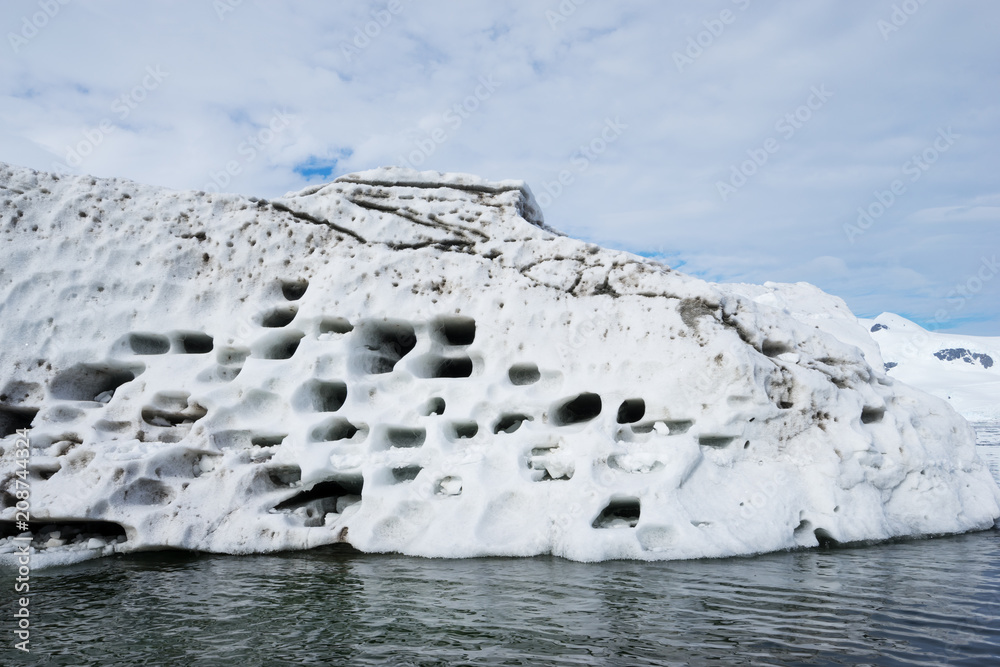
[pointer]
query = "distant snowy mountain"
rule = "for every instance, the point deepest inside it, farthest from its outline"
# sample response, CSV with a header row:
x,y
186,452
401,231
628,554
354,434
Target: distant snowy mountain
x,y
964,370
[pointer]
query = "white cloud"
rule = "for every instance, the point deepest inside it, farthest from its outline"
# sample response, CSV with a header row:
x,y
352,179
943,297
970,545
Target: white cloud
x,y
653,189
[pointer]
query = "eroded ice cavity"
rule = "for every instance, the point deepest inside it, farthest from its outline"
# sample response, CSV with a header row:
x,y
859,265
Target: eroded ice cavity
x,y
413,362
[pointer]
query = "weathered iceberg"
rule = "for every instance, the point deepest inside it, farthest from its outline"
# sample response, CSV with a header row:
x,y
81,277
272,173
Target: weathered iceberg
x,y
413,362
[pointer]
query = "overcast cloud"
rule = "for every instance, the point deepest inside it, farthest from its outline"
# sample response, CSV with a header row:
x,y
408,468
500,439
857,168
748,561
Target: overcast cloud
x,y
739,140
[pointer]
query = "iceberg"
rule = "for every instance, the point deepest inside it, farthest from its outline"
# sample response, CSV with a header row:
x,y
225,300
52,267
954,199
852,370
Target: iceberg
x,y
415,362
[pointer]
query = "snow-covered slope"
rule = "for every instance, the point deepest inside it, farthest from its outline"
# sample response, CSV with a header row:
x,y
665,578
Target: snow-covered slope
x,y
814,307
413,362
965,370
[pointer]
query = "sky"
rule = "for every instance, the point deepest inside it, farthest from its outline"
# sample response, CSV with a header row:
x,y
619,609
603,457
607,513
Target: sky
x,y
852,144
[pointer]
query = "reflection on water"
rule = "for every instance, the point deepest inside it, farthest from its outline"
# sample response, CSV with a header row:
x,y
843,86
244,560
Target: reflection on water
x,y
922,602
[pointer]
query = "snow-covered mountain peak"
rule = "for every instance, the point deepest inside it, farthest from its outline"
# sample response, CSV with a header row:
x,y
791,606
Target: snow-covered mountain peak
x,y
965,370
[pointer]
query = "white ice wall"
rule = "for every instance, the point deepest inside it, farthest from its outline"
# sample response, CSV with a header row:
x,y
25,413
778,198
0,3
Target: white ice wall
x,y
413,362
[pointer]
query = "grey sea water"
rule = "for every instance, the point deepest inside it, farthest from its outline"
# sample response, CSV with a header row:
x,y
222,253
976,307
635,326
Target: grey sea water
x,y
918,602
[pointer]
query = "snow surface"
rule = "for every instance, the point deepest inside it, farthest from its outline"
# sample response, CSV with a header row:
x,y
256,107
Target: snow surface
x,y
812,306
413,362
965,370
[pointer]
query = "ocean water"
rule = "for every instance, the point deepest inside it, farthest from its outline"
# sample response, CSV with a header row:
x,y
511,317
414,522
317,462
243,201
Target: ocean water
x,y
917,602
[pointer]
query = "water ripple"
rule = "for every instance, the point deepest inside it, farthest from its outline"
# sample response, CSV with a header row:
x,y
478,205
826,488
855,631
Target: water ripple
x,y
920,602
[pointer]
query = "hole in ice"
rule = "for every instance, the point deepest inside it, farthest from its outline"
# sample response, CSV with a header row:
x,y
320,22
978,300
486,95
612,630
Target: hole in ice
x,y
433,366
85,382
62,443
631,410
337,428
13,419
16,392
674,427
786,405
619,513
285,475
508,423
402,437
382,344
455,330
717,441
435,406
448,486
268,440
278,317
63,413
330,496
278,345
405,474
171,409
772,348
337,325
45,469
523,374
825,539
546,464
109,426
460,430
319,396
678,427
146,492
148,343
69,530
171,400
871,415
194,342
293,290
232,356
579,409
